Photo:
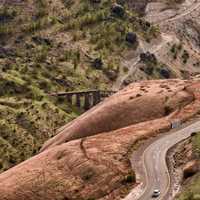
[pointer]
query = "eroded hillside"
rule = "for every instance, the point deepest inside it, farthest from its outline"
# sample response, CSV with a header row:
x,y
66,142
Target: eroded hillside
x,y
98,167
176,52
56,46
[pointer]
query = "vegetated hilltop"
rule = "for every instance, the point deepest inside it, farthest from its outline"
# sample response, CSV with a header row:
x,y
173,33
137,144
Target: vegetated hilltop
x,y
73,166
55,46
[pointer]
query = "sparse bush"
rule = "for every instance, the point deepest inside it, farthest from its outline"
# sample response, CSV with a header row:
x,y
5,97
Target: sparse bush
x,y
167,110
41,54
87,175
165,73
148,58
185,56
131,38
130,178
41,8
173,48
68,3
7,14
97,63
118,10
5,30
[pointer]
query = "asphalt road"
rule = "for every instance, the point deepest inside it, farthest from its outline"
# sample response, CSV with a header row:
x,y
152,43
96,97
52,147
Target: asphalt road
x,y
154,162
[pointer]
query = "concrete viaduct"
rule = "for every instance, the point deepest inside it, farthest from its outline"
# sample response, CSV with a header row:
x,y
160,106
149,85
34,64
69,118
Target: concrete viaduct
x,y
85,99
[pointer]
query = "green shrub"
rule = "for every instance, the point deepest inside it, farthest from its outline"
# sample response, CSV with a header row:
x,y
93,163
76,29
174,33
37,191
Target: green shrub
x,y
41,54
5,30
130,178
7,13
68,3
41,10
185,56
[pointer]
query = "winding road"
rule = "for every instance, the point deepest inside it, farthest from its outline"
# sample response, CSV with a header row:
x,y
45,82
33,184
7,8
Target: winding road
x,y
154,164
154,161
154,157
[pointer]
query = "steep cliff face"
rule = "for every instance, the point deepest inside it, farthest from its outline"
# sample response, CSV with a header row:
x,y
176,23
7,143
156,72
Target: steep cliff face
x,y
97,167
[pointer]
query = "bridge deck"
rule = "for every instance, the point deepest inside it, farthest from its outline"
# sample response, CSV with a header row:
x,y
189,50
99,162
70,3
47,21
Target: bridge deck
x,y
83,92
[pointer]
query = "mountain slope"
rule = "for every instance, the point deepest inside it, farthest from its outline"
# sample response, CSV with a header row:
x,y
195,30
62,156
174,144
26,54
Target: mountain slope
x,y
56,46
98,166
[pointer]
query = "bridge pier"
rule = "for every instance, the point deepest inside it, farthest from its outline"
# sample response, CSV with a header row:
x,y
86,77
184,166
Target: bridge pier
x,y
96,97
78,100
87,101
69,98
90,98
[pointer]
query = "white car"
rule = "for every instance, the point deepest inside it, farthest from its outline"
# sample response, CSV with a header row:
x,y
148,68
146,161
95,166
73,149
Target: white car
x,y
156,193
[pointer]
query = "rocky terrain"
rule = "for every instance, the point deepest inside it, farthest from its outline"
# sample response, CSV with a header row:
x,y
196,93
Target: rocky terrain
x,y
182,23
174,53
57,46
90,160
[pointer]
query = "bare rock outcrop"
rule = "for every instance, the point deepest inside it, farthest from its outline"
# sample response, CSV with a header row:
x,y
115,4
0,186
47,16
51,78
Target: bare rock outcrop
x,y
190,168
88,159
139,102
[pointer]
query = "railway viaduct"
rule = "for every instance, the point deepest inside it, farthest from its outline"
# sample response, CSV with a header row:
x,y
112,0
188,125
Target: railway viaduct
x,y
85,99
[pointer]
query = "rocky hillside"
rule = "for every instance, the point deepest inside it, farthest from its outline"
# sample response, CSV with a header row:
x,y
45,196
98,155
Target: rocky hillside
x,y
65,45
190,168
73,166
176,52
180,21
56,46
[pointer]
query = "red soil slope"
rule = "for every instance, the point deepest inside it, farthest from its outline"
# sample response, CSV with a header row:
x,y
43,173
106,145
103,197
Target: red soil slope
x,y
97,167
138,102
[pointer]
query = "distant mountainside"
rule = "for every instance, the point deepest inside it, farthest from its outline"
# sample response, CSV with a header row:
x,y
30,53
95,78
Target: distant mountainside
x,y
49,46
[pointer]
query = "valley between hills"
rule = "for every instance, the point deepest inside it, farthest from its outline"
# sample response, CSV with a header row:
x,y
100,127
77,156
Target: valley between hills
x,y
143,137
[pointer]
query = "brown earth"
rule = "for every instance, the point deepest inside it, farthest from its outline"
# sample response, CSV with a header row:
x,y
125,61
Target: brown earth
x,y
97,167
136,103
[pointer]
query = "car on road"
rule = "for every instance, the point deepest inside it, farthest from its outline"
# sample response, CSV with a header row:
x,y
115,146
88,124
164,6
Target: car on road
x,y
156,193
